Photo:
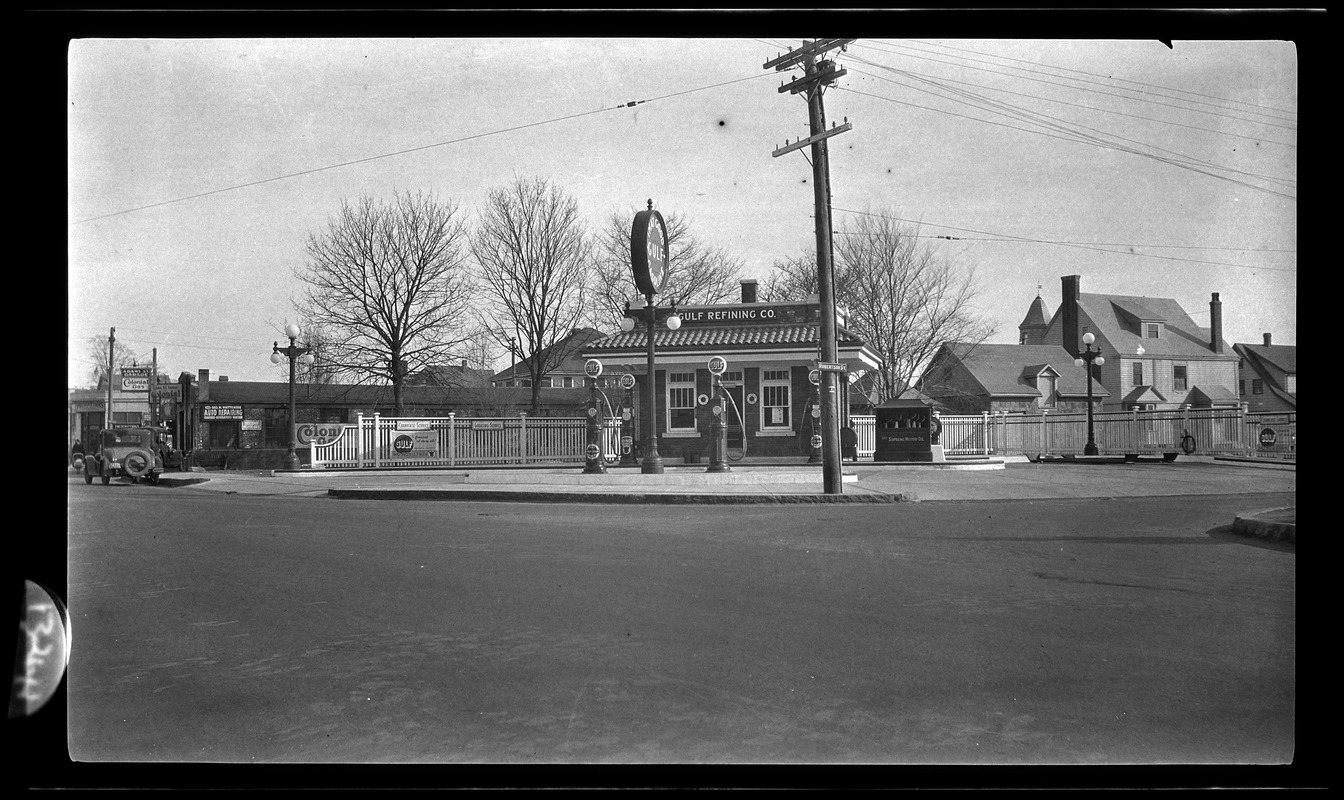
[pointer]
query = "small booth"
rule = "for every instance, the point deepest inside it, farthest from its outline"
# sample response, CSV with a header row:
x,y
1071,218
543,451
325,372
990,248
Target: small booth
x,y
906,431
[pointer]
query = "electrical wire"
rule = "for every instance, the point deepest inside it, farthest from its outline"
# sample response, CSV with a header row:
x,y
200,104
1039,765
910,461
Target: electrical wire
x,y
459,140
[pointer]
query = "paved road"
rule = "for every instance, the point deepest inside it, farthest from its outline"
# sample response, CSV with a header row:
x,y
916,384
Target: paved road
x,y
302,629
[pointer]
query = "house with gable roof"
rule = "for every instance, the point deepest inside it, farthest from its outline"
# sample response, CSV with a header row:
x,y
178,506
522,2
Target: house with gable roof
x,y
965,378
1267,376
1157,357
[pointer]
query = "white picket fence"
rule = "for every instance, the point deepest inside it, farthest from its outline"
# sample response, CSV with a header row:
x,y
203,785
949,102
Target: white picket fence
x,y
451,441
1218,431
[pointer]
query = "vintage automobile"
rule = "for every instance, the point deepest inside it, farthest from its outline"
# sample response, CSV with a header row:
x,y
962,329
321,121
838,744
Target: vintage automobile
x,y
133,453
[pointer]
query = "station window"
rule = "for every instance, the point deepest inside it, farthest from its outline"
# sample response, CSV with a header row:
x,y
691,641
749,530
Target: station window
x,y
1178,379
1138,373
1257,386
681,401
775,406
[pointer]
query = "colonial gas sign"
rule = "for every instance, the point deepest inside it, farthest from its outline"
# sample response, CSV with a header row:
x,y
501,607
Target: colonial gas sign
x,y
648,251
135,379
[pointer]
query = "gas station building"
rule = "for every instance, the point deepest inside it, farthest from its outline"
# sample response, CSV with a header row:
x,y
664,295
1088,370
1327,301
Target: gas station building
x,y
771,348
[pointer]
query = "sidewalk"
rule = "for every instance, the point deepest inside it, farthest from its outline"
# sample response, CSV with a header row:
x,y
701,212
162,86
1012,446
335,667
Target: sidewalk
x,y
961,480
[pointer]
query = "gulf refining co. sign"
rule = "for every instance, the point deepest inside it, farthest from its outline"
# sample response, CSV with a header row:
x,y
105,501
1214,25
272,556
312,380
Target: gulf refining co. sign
x,y
648,251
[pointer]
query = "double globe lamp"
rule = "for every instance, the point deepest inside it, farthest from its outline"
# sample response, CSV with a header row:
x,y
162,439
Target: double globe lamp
x,y
1089,357
293,353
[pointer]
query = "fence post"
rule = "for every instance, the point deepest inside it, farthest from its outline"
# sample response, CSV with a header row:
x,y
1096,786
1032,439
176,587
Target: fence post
x,y
452,438
1045,433
359,440
984,433
377,441
522,437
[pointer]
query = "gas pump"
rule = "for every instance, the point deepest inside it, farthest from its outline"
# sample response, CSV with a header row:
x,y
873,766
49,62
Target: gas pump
x,y
812,426
628,422
595,462
718,432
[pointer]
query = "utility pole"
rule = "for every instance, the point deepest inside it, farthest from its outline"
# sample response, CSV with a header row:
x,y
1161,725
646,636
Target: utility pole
x,y
154,392
819,74
111,342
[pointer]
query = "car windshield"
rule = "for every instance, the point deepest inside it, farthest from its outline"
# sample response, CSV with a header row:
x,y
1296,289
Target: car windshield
x,y
125,438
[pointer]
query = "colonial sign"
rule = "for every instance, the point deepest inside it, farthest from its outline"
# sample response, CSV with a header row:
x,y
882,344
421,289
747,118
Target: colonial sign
x,y
1268,437
135,379
648,252
308,433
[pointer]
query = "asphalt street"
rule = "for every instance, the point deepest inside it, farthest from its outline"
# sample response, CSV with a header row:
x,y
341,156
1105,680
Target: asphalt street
x,y
272,624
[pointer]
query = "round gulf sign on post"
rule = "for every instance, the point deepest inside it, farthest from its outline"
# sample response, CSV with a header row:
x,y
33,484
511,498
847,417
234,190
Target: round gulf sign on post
x,y
648,251
592,368
627,381
816,441
718,365
815,377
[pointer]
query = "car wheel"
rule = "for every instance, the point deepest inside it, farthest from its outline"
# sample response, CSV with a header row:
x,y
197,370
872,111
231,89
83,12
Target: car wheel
x,y
137,463
88,477
107,479
153,478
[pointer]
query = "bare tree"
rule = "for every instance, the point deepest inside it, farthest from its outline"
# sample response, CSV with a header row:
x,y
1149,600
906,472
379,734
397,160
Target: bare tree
x,y
902,297
697,272
122,356
389,288
533,253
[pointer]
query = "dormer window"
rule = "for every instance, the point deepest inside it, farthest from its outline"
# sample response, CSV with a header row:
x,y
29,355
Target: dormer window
x,y
1152,330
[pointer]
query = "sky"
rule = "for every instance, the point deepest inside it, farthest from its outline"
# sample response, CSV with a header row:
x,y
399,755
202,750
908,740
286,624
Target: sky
x,y
199,167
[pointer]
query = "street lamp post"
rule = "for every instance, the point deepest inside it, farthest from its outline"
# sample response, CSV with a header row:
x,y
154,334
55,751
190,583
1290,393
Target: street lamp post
x,y
653,462
1089,357
293,353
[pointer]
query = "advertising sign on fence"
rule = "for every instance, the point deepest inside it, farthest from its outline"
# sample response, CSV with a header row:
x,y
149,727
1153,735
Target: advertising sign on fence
x,y
308,433
415,445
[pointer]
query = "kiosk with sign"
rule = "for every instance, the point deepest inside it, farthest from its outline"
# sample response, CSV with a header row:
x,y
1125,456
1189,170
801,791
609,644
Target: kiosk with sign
x,y
906,430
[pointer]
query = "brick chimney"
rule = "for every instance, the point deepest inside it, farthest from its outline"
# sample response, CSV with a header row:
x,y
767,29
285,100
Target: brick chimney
x,y
748,291
1069,309
1216,324
203,385
1269,340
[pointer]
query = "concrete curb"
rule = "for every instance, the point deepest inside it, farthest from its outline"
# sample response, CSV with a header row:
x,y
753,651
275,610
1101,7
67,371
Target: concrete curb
x,y
1274,524
651,498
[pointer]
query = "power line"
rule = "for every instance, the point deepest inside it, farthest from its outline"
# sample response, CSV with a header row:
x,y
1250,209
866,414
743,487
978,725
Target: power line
x,y
1063,125
1112,78
413,150
1099,247
1077,139
1108,94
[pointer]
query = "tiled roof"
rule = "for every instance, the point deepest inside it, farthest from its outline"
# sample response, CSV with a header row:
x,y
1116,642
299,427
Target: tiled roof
x,y
1144,394
1181,337
1036,316
266,393
745,336
1213,394
1002,369
1283,356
